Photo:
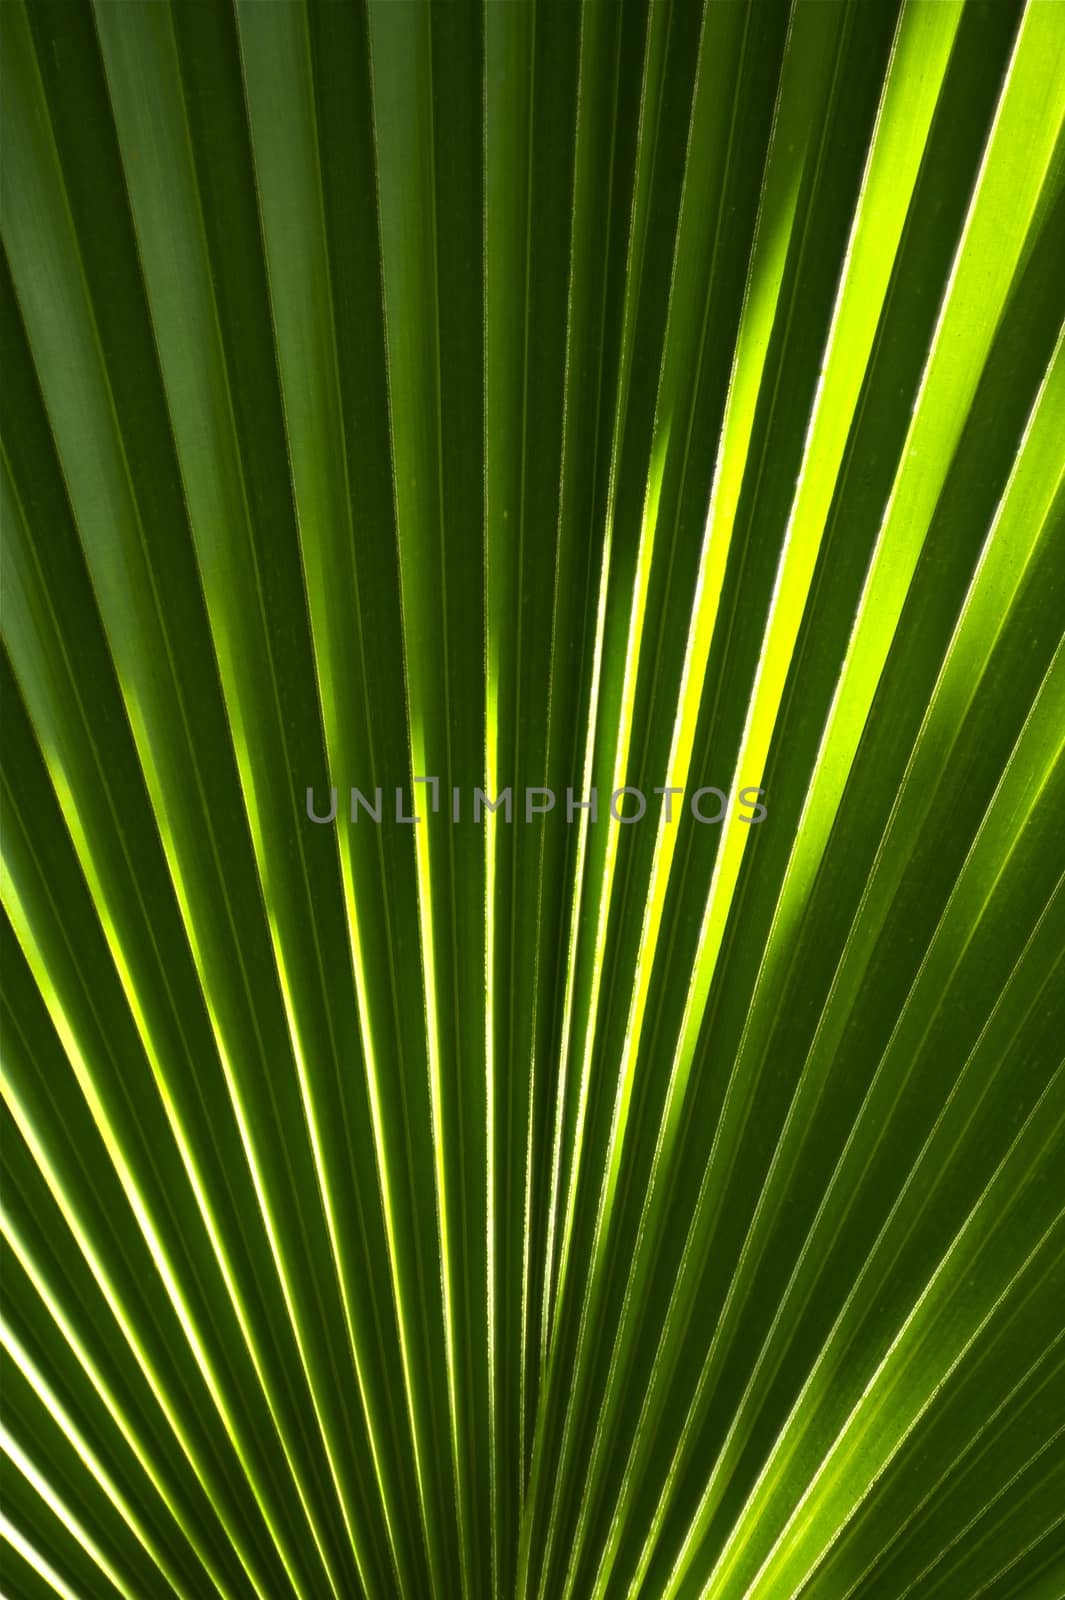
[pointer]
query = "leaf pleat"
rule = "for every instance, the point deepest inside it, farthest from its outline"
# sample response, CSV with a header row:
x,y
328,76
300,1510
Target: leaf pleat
x,y
445,1154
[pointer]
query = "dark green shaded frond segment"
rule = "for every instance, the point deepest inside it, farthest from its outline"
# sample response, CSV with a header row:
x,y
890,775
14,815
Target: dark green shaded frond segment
x,y
428,1171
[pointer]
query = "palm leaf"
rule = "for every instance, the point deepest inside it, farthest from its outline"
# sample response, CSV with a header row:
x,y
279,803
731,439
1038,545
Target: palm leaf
x,y
442,403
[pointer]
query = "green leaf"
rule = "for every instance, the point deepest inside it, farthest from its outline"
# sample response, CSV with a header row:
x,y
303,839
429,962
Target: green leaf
x,y
448,408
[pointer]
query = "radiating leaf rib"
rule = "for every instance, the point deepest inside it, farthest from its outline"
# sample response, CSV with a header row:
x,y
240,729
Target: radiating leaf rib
x,y
194,371
439,505
31,1372
1016,532
407,406
113,1300
600,42
14,517
118,585
581,981
1013,1406
527,67
100,1387
906,124
303,316
131,1188
38,1563
1038,1466
915,488
27,1468
1046,715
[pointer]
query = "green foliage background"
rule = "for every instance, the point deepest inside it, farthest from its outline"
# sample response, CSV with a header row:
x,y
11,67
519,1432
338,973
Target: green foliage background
x,y
581,394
